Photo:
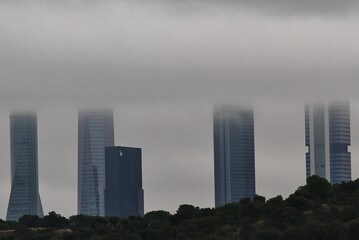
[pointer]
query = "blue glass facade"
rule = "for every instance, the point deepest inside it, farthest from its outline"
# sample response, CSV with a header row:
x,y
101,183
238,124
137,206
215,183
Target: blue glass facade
x,y
95,132
234,157
24,196
327,133
339,131
123,192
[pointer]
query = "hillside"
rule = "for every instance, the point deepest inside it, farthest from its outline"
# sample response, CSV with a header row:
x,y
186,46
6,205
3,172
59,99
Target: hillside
x,y
317,211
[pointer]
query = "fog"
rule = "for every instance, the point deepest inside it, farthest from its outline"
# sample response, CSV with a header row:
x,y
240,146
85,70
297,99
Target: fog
x,y
162,65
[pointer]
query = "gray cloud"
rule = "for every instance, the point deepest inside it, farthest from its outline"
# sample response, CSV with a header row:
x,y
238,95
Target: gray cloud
x,y
289,7
317,8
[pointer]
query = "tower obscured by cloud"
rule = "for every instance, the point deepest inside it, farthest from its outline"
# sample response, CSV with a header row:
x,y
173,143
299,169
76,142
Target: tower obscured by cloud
x,y
95,132
24,196
124,193
234,157
327,138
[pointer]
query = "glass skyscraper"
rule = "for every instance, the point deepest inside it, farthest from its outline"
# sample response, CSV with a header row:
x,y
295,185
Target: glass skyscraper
x,y
327,138
123,192
95,132
234,158
24,196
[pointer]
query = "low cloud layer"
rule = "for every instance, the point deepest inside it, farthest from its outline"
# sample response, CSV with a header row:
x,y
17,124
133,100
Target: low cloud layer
x,y
59,54
286,7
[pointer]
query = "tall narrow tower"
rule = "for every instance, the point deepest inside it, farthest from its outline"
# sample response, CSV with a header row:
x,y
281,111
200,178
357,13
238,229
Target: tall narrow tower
x,y
234,159
95,132
327,138
24,196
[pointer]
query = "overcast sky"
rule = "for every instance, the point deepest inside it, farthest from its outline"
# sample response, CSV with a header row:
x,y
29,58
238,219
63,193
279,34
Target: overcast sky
x,y
161,65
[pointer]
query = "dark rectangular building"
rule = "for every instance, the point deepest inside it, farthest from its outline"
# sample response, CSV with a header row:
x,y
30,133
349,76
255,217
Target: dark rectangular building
x,y
123,182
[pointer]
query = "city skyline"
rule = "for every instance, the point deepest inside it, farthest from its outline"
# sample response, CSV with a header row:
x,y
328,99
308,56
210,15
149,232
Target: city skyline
x,y
161,65
119,115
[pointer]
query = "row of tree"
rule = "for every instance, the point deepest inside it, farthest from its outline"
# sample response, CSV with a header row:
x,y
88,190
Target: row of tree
x,y
316,211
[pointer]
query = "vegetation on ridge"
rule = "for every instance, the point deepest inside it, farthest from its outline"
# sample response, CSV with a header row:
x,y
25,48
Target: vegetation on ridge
x,y
317,211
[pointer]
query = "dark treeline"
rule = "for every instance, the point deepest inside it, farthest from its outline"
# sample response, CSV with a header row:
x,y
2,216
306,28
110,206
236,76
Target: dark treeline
x,y
317,211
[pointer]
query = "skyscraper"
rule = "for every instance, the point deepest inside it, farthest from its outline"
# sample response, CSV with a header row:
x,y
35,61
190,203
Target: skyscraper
x,y
95,132
327,138
234,159
123,192
24,196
